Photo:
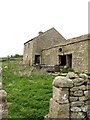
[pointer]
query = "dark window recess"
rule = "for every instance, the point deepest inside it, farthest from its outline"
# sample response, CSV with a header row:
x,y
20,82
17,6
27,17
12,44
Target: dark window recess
x,y
37,59
62,60
65,60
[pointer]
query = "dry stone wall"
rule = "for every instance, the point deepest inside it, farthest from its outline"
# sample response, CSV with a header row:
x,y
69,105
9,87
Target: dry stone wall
x,y
3,101
71,97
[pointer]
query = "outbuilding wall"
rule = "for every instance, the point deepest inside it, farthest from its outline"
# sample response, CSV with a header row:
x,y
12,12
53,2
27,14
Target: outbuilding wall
x,y
79,51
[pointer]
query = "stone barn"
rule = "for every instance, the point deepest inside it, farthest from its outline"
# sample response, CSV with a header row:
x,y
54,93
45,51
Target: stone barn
x,y
51,48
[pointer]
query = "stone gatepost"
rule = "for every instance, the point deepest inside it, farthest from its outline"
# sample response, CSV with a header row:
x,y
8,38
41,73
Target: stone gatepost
x,y
59,104
71,97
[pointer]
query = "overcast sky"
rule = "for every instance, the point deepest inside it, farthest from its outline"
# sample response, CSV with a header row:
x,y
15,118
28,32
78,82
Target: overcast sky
x,y
21,20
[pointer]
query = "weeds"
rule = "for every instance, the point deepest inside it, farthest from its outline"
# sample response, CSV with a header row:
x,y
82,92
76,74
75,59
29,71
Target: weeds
x,y
28,95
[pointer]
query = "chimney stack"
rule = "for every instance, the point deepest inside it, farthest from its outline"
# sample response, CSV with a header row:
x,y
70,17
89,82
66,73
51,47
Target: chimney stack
x,y
40,33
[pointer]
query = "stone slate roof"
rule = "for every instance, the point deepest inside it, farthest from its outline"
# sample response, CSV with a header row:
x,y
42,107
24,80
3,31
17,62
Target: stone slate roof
x,y
44,34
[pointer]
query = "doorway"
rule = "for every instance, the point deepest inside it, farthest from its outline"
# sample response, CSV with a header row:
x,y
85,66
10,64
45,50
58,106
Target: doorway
x,y
69,60
62,60
37,59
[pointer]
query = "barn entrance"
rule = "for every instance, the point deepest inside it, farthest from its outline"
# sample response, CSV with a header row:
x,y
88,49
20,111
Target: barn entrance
x,y
69,60
62,60
37,59
65,60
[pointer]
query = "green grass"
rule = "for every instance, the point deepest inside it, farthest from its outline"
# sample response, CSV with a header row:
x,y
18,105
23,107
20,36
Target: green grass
x,y
28,94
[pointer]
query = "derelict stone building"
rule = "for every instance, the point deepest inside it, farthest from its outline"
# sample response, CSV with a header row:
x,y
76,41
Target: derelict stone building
x,y
51,48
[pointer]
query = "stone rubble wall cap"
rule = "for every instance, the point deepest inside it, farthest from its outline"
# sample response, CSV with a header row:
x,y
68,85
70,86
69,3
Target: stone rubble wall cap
x,y
83,75
71,75
62,82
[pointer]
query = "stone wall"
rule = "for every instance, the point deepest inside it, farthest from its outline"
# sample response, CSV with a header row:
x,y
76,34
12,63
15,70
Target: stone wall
x,y
71,97
28,53
78,49
3,101
36,45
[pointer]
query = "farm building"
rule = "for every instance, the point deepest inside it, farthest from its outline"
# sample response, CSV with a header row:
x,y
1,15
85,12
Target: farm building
x,y
51,48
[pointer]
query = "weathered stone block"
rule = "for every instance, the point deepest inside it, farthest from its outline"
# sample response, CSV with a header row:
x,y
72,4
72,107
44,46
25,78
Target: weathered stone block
x,y
88,87
87,94
88,82
71,93
58,110
76,88
78,115
82,87
60,94
87,102
78,93
77,104
78,81
62,82
85,108
73,99
75,109
83,98
83,75
88,114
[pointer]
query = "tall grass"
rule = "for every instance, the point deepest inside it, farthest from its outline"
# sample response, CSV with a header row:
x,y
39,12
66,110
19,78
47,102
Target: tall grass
x,y
29,91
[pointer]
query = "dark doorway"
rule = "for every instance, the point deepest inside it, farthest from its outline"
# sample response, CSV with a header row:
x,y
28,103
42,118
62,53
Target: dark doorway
x,y
62,60
69,60
37,59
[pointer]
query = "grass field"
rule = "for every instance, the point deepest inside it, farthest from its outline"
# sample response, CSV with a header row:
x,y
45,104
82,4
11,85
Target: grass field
x,y
29,92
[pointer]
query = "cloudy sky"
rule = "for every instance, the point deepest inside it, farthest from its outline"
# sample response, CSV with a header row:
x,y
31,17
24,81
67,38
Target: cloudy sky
x,y
21,20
